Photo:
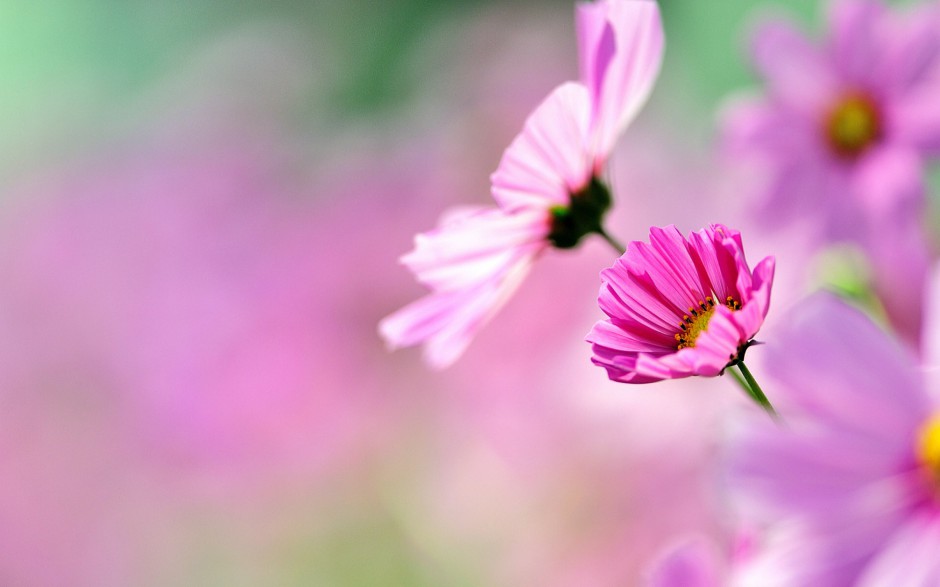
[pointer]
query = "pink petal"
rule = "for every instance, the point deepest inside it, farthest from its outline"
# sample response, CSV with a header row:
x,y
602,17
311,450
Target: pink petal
x,y
671,270
751,316
830,553
914,118
620,46
693,563
873,388
473,263
910,48
796,71
889,187
911,557
547,161
720,253
447,321
472,244
625,294
621,337
854,43
931,353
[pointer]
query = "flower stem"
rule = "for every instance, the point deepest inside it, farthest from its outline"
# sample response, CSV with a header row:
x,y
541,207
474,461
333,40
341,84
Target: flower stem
x,y
746,380
613,242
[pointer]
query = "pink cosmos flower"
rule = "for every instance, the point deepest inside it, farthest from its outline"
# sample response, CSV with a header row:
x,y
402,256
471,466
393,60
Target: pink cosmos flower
x,y
837,110
851,485
839,139
546,186
678,307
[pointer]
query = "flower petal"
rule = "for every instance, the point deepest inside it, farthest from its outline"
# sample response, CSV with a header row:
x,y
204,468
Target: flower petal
x,y
446,321
472,244
915,119
547,161
796,71
910,560
692,563
873,389
620,47
854,43
473,263
910,49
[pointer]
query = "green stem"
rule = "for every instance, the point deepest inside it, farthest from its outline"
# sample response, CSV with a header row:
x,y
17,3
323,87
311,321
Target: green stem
x,y
751,387
613,242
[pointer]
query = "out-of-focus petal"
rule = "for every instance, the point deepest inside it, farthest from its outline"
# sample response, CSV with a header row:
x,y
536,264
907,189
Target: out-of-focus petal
x,y
471,244
911,559
547,160
889,185
931,340
827,345
693,563
911,49
854,37
473,263
446,321
796,71
914,118
620,48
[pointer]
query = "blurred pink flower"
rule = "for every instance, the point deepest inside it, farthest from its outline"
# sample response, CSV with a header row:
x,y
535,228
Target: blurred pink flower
x,y
838,142
679,307
545,186
851,483
833,112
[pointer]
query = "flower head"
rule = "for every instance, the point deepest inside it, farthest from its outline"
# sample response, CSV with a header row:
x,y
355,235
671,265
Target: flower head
x,y
850,484
678,307
546,185
840,113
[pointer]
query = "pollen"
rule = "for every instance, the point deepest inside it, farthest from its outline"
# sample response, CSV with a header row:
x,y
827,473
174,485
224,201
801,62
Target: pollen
x,y
696,321
928,448
853,125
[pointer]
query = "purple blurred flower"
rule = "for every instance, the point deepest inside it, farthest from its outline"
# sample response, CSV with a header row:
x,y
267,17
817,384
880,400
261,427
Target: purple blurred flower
x,y
853,479
679,307
836,111
545,186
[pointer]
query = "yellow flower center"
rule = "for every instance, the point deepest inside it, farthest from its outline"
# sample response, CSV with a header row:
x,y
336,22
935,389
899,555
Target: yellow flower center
x,y
696,321
928,448
853,125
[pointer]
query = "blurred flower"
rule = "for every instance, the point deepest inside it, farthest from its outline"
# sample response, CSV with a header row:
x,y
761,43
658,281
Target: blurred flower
x,y
679,307
839,140
836,111
851,483
546,186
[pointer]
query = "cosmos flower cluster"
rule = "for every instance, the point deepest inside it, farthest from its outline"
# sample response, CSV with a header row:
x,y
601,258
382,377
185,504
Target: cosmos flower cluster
x,y
844,482
550,193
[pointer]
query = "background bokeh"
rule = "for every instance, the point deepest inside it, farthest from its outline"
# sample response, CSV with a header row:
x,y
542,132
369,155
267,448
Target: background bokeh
x,y
202,205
